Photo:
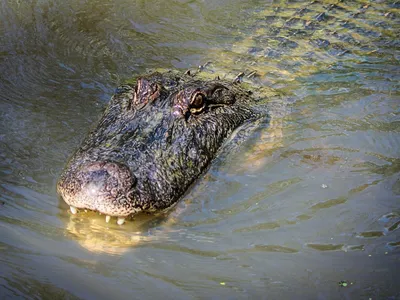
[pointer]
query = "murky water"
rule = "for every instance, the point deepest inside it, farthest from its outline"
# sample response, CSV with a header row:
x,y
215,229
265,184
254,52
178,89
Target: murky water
x,y
308,208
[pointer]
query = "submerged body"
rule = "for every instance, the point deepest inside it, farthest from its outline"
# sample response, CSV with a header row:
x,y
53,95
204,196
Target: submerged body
x,y
156,138
153,141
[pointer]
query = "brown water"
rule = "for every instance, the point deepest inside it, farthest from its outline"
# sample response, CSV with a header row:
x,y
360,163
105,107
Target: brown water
x,y
312,200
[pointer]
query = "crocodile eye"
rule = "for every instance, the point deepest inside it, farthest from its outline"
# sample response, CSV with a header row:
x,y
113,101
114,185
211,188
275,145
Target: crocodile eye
x,y
197,103
145,92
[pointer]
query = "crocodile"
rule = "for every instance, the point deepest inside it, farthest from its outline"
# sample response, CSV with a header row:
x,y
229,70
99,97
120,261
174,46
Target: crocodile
x,y
154,139
159,134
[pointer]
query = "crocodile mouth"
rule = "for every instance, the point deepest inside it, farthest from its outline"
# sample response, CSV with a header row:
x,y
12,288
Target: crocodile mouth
x,y
100,186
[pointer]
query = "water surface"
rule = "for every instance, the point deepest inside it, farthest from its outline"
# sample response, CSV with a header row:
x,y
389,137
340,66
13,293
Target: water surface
x,y
308,208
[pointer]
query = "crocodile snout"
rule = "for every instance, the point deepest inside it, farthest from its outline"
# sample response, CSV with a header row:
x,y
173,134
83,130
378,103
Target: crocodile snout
x,y
101,186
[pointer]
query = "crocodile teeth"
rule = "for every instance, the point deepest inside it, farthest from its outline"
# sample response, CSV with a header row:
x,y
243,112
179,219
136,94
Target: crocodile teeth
x,y
108,219
120,221
73,210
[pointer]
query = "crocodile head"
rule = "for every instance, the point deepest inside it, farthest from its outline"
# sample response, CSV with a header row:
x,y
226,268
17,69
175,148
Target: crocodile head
x,y
152,142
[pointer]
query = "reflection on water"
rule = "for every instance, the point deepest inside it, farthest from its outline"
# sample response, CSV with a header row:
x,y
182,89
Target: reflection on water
x,y
310,200
91,231
95,235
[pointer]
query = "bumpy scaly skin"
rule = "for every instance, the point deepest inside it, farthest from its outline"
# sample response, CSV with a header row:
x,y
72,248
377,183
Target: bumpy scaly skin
x,y
153,141
286,40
